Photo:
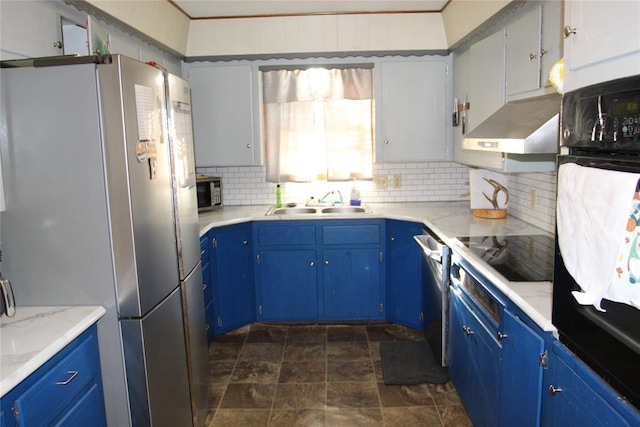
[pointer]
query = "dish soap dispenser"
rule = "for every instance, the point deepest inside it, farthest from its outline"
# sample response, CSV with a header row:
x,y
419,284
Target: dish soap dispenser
x,y
278,196
355,197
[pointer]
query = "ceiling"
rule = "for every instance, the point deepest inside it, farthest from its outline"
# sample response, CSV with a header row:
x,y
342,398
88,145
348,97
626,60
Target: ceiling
x,y
245,8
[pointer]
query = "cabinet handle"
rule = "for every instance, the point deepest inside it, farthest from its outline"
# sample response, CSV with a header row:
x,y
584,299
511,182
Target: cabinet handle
x,y
58,44
553,390
73,375
326,262
502,335
532,56
204,286
386,141
201,252
393,239
568,31
543,52
220,322
312,263
467,330
248,145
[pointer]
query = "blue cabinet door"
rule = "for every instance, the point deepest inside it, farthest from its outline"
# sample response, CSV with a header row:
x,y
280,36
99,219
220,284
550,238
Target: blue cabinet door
x,y
287,285
575,396
521,388
351,285
232,277
474,362
404,276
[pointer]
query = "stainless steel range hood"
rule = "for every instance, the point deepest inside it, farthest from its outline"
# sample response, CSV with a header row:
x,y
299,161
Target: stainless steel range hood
x,y
527,126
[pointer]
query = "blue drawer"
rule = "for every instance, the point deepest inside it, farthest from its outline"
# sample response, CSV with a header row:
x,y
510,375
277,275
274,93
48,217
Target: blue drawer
x,y
287,235
59,385
351,234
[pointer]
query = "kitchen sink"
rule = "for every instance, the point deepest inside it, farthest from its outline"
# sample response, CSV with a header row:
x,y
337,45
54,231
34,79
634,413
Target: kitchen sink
x,y
318,211
291,211
344,209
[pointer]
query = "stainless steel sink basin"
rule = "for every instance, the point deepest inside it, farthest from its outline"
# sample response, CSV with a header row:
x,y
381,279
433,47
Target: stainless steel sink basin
x,y
318,211
291,211
344,209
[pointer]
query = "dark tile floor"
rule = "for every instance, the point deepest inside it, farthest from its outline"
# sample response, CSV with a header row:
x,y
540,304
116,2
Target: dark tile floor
x,y
320,375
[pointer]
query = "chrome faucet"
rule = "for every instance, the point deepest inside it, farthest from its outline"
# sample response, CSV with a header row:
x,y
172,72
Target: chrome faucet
x,y
333,201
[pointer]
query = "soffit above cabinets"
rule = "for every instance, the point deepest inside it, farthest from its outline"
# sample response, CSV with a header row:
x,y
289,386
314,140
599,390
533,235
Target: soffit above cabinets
x,y
201,9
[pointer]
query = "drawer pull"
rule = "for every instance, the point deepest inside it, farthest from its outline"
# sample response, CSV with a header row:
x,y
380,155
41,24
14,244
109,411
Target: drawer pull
x,y
467,330
502,335
201,252
73,375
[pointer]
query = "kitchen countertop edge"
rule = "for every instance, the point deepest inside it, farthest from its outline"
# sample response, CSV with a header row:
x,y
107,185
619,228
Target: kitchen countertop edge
x,y
36,334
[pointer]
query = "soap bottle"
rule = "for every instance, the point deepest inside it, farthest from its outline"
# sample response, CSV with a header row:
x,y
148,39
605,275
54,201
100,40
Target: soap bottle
x,y
355,197
278,196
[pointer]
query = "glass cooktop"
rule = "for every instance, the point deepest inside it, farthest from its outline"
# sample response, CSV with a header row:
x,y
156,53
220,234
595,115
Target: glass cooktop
x,y
527,258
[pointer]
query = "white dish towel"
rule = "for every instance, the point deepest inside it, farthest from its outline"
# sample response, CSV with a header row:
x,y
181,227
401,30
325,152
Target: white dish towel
x,y
594,209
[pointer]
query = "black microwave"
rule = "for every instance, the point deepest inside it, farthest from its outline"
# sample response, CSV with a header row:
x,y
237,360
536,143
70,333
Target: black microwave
x,y
209,189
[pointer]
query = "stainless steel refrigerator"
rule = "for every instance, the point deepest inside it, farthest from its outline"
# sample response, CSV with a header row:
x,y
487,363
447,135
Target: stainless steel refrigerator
x,y
101,209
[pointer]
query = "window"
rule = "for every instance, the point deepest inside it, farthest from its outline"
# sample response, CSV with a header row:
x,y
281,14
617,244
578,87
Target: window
x,y
318,124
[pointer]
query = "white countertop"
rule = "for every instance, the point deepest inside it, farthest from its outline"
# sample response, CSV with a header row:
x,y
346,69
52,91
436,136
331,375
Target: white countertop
x,y
448,220
35,334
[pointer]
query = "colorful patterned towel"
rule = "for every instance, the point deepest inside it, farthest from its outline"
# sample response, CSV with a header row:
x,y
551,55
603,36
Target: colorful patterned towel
x,y
592,219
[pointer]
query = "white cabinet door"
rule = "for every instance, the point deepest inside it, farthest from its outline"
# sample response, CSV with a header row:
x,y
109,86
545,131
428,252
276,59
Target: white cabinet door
x,y
486,80
523,53
29,29
414,119
603,30
223,124
533,47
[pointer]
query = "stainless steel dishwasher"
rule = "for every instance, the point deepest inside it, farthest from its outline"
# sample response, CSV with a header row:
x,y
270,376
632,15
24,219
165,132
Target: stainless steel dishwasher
x,y
437,263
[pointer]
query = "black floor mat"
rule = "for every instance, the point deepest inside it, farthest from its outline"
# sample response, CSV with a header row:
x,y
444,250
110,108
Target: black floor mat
x,y
410,362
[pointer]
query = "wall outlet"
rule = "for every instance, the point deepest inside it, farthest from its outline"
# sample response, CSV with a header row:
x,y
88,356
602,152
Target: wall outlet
x,y
380,182
397,181
532,202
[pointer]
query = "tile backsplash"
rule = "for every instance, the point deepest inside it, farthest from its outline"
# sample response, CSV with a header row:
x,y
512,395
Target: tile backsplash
x,y
532,194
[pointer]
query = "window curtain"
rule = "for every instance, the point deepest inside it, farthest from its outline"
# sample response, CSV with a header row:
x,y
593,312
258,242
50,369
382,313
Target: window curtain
x,y
318,124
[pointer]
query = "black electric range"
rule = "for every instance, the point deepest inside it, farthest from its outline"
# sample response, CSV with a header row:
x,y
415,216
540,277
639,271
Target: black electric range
x,y
526,258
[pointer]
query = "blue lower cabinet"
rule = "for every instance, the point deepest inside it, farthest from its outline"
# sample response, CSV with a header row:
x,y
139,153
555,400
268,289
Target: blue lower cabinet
x,y
576,396
320,270
521,379
474,362
288,286
65,391
405,294
351,285
232,280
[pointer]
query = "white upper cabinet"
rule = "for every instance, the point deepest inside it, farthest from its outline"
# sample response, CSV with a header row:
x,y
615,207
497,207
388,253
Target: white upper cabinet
x,y
603,30
533,46
414,111
223,115
602,41
480,79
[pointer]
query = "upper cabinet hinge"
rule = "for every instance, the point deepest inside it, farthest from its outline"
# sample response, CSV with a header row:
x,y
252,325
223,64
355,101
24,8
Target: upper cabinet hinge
x,y
544,358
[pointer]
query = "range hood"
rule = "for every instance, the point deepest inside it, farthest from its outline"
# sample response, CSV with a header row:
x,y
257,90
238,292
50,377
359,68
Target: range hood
x,y
527,126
